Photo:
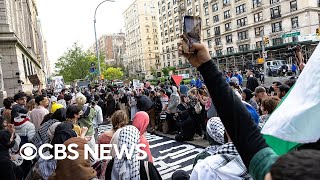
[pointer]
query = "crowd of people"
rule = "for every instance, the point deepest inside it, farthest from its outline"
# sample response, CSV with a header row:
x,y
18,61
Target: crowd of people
x,y
215,106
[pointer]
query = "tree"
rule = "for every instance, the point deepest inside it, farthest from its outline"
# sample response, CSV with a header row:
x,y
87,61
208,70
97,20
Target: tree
x,y
75,64
113,73
165,71
173,69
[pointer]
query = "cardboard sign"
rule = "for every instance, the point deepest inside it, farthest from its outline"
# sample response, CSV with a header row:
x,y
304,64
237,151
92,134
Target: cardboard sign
x,y
34,79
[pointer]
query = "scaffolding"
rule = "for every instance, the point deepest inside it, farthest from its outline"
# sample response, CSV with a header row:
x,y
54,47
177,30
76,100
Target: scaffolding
x,y
245,59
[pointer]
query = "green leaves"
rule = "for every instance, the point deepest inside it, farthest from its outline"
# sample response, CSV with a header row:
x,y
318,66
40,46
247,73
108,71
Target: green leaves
x,y
76,63
113,73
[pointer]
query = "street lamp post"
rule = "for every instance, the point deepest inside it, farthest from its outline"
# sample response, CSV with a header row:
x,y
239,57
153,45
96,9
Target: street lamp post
x,y
96,38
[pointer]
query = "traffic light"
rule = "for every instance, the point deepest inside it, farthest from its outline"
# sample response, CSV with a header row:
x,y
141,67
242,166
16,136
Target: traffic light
x,y
266,40
318,31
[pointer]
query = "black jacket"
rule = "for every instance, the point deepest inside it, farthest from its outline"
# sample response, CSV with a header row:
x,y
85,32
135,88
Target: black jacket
x,y
236,119
144,103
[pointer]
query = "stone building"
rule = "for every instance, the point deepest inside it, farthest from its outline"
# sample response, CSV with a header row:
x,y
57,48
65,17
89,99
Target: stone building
x,y
22,45
234,30
142,34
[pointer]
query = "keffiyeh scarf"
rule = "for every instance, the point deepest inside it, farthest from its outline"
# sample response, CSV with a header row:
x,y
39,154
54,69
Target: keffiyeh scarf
x,y
127,169
215,130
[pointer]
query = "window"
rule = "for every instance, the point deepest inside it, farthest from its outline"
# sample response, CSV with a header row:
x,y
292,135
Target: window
x,y
226,14
169,13
274,1
174,2
214,7
293,5
190,11
276,27
197,8
258,17
259,44
256,3
277,41
227,26
170,21
165,24
242,22
188,2
226,2
166,32
215,18
294,22
207,22
24,66
244,47
169,5
258,31
241,9
168,56
177,27
275,12
229,39
163,8
209,44
230,50
175,10
208,33
206,11
171,30
217,41
219,52
176,19
243,35
217,30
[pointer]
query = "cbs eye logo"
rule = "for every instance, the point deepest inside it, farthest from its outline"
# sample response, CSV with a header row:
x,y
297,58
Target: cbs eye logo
x,y
28,151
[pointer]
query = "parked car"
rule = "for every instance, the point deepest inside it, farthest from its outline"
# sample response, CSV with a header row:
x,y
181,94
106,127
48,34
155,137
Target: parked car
x,y
274,67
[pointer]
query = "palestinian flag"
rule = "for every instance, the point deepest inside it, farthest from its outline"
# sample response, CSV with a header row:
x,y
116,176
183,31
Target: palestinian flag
x,y
296,120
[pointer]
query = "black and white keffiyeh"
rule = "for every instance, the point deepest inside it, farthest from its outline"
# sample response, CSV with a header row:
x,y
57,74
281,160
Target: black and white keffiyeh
x,y
41,137
230,159
127,169
215,130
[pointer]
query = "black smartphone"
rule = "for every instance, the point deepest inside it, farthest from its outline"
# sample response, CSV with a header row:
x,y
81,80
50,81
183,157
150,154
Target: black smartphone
x,y
192,30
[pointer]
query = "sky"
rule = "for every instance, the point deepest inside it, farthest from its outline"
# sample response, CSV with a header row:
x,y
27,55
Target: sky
x,y
65,22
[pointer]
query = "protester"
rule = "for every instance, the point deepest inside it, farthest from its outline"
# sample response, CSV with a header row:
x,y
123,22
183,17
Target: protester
x,y
8,168
134,169
6,114
24,128
252,82
141,122
144,103
275,87
239,77
267,107
173,103
20,102
283,90
183,88
255,153
215,131
247,96
37,114
73,113
133,104
110,104
98,118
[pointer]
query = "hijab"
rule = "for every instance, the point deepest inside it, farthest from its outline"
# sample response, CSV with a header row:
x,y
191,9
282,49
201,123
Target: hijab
x,y
248,93
62,133
141,122
124,168
79,168
174,91
215,130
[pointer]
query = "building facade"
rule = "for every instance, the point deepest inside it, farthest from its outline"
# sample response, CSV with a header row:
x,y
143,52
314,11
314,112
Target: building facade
x,y
112,47
234,30
171,13
142,44
21,45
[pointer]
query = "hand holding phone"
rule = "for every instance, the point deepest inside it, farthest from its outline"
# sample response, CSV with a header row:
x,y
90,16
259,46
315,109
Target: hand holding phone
x,y
192,32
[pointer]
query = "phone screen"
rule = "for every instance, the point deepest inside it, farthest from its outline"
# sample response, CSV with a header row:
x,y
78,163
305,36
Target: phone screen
x,y
192,29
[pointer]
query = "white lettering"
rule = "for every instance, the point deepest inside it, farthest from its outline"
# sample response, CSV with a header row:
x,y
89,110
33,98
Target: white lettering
x,y
105,151
41,151
60,149
142,155
94,153
76,154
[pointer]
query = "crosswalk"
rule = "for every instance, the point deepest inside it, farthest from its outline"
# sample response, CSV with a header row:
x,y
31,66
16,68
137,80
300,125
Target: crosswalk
x,y
169,155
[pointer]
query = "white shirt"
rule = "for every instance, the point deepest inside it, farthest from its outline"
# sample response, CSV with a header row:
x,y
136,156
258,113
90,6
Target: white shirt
x,y
98,119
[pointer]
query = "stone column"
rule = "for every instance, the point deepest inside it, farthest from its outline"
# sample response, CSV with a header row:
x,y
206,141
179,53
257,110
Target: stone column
x,y
3,93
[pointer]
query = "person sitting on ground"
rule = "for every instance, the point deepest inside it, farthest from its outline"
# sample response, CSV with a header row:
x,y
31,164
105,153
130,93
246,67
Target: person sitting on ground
x,y
267,107
118,120
257,156
141,122
215,136
224,163
134,169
